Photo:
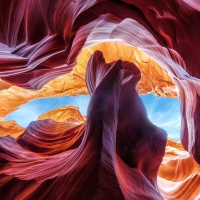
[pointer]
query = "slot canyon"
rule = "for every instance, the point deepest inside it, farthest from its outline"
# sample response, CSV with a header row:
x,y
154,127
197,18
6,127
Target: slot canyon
x,y
113,51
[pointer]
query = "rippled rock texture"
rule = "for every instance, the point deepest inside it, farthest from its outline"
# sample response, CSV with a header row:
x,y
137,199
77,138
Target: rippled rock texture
x,y
117,151
102,154
155,81
179,174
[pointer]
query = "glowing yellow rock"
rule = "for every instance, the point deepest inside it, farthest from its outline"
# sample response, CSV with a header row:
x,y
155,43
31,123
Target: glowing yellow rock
x,y
64,114
10,128
154,79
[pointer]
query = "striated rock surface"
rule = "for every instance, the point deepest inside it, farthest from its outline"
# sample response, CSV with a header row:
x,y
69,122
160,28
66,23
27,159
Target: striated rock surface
x,y
167,31
179,174
153,78
61,157
14,97
177,165
42,40
61,114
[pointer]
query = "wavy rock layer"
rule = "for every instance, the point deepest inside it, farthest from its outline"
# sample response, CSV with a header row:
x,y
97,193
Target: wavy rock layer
x,y
153,78
61,114
41,40
14,97
179,174
108,146
167,31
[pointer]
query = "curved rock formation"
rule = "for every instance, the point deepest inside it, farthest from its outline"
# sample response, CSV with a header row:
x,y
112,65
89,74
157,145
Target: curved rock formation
x,y
166,31
10,128
154,79
14,97
108,146
63,114
160,37
179,174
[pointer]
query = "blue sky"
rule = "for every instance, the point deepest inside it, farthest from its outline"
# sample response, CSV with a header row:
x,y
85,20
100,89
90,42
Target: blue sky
x,y
163,112
31,111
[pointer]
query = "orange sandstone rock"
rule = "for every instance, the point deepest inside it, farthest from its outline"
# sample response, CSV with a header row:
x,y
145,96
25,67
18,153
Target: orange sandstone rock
x,y
4,85
179,174
14,97
154,79
10,128
63,114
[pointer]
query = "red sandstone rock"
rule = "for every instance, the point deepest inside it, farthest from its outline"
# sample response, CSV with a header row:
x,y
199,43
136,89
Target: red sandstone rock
x,y
179,174
166,31
40,40
102,155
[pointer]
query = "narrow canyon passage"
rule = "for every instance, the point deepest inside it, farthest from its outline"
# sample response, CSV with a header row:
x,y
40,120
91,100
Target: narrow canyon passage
x,y
60,132
114,52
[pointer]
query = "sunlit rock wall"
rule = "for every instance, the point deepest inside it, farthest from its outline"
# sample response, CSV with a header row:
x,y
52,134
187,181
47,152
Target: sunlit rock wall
x,y
63,114
10,128
154,79
179,174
